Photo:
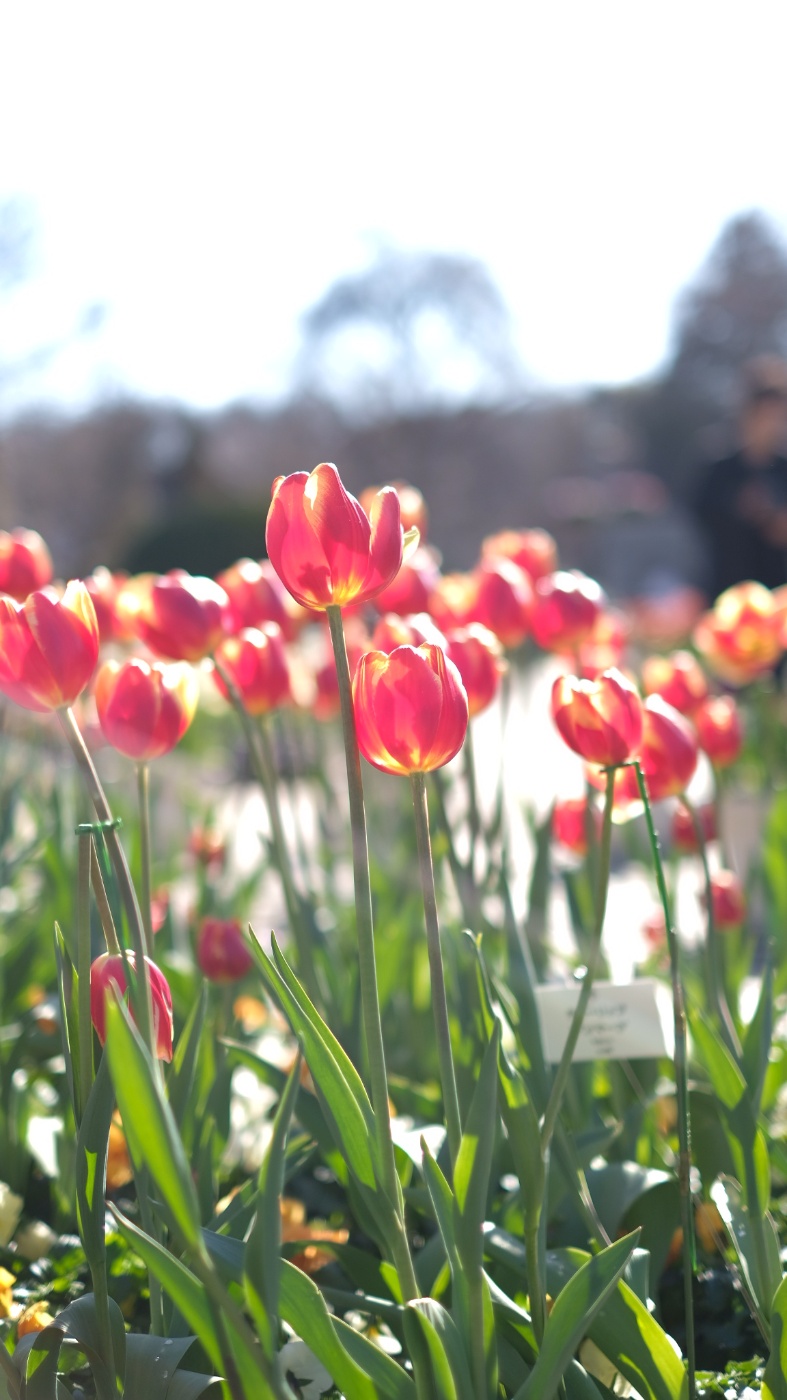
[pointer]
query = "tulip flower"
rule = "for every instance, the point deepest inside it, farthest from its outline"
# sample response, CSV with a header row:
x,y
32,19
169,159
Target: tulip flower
x,y
105,589
728,901
413,586
600,720
411,709
393,631
534,551
324,547
108,978
502,601
740,638
452,599
222,952
48,647
565,609
412,505
679,679
683,832
256,595
25,563
669,750
570,824
257,664
604,646
478,657
144,710
179,616
720,729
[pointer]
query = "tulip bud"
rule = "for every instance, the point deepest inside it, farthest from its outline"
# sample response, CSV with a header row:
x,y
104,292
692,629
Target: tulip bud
x,y
720,729
256,595
323,546
108,978
741,637
411,589
412,505
256,663
679,679
25,563
727,900
393,631
180,617
478,657
503,600
105,589
144,710
48,647
565,609
222,952
534,551
683,832
668,752
604,646
570,824
410,709
600,720
452,600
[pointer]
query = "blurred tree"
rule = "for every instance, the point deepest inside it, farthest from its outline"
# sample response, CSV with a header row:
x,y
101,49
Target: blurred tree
x,y
411,333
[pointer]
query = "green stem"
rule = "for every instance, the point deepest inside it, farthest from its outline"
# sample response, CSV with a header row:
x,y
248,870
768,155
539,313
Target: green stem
x,y
104,911
535,1287
473,816
466,888
682,1090
143,798
370,1003
716,991
85,1079
561,1075
439,999
142,1001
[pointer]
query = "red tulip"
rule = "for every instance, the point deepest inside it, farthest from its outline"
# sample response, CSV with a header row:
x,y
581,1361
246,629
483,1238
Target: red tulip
x,y
105,589
741,637
25,563
570,824
669,751
604,646
257,663
108,978
411,589
394,631
323,546
257,595
727,900
684,836
600,720
502,601
410,709
478,657
412,505
679,679
180,617
144,710
565,609
720,729
48,647
534,551
222,952
452,599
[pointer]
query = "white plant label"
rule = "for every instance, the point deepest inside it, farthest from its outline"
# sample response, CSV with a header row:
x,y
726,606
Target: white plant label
x,y
630,1022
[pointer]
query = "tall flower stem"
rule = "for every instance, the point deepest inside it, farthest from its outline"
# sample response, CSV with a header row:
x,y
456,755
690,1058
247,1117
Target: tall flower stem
x,y
85,1076
370,1003
716,990
142,1001
143,799
682,1090
439,1000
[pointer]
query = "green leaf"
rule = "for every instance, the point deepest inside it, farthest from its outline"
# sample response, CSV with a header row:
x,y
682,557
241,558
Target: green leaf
x,y
758,1041
474,1161
575,1307
446,1350
746,1140
151,1363
774,1381
148,1122
760,1267
262,1258
78,1321
184,1060
91,1164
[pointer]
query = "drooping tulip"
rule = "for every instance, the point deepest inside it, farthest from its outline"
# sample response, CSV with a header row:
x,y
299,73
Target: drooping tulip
x,y
108,978
222,953
48,647
144,710
679,679
565,608
478,657
741,637
719,728
25,563
324,547
601,720
180,616
256,663
411,709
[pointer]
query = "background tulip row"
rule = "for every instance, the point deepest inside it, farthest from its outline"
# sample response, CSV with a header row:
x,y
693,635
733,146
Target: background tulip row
x,y
336,1160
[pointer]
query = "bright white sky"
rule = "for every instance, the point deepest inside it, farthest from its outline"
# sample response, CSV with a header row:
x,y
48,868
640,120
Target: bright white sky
x,y
207,171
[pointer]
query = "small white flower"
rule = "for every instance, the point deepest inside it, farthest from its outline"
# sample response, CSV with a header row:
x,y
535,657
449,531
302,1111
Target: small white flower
x,y
302,1366
10,1211
34,1240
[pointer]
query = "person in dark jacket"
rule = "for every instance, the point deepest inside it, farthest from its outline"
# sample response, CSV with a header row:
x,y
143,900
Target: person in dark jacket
x,y
741,503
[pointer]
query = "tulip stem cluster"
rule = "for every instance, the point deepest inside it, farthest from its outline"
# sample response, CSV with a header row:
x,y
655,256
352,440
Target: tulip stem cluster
x,y
681,1086
439,999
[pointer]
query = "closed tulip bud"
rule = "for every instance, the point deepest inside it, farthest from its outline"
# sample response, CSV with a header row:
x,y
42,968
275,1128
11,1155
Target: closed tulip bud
x,y
410,709
478,657
741,637
503,600
105,589
25,563
601,720
256,663
393,631
570,824
679,679
324,547
144,710
565,609
48,647
534,551
256,595
727,899
683,831
412,505
669,750
413,586
719,728
222,952
108,978
181,617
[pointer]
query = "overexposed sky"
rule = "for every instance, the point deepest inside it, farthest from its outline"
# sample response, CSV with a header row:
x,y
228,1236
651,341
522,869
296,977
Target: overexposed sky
x,y
207,171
